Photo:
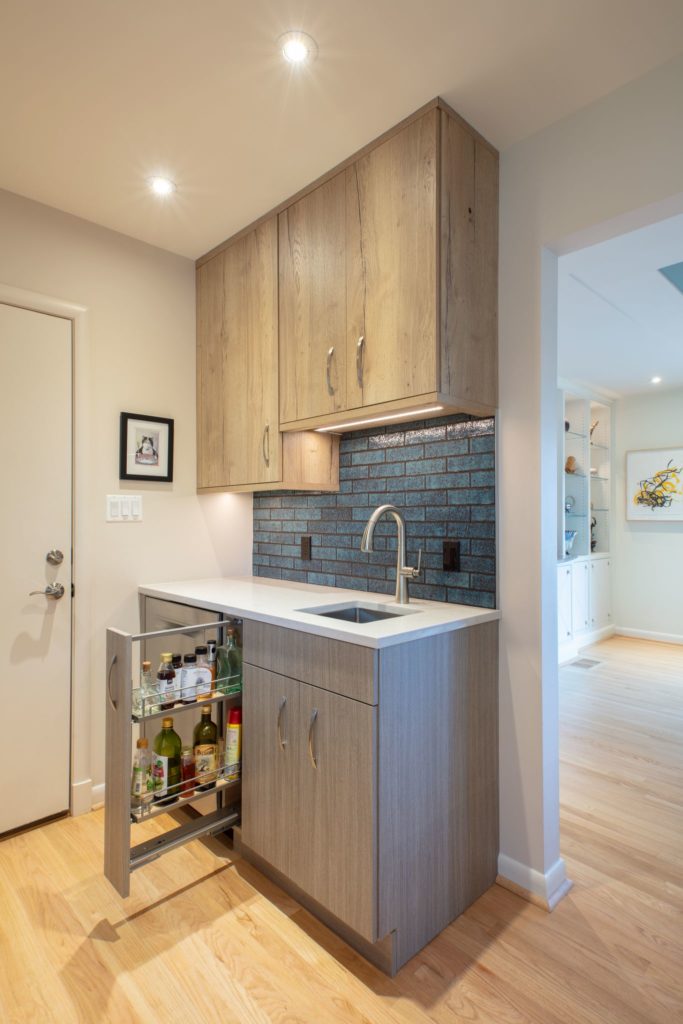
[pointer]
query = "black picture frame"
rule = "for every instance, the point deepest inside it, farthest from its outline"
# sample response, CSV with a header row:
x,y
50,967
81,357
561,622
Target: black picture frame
x,y
146,448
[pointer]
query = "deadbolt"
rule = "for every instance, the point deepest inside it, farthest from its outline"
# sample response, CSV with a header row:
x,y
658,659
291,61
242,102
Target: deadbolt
x,y
54,557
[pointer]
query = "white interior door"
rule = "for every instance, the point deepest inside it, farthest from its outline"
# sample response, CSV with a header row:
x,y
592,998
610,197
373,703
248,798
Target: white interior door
x,y
35,519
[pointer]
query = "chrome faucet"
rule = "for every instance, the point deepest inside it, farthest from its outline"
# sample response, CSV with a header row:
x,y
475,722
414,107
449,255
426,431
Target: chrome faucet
x,y
403,572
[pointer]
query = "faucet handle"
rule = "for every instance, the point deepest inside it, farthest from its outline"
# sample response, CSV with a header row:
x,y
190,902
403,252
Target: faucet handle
x,y
417,572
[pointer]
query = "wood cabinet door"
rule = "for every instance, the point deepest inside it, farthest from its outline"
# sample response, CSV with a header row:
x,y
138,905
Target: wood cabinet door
x,y
336,841
237,380
392,239
271,758
312,303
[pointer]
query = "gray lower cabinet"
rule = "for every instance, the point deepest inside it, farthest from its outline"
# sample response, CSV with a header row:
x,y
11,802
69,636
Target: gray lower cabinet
x,y
309,791
380,813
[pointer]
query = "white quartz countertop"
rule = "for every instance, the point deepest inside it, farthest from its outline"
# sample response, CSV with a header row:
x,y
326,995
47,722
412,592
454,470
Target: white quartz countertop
x,y
288,604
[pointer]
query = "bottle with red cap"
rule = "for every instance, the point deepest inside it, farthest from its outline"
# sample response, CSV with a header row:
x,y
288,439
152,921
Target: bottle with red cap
x,y
233,746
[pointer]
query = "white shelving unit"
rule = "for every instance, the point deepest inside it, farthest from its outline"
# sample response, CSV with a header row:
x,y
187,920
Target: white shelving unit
x,y
584,506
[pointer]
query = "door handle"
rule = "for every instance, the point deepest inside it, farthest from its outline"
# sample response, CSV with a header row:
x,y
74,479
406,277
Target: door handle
x,y
360,352
282,743
265,444
53,590
314,718
328,370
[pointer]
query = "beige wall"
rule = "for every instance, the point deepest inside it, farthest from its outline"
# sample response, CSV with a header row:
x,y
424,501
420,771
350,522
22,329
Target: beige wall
x,y
138,356
611,167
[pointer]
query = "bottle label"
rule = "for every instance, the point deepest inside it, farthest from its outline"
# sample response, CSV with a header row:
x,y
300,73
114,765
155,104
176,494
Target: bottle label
x,y
160,775
168,689
138,787
206,761
203,680
189,683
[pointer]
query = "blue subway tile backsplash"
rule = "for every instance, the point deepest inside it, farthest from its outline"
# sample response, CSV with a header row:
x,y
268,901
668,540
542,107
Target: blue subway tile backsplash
x,y
439,472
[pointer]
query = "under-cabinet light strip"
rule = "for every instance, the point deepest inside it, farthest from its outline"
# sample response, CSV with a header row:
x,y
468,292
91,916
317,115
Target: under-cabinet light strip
x,y
379,419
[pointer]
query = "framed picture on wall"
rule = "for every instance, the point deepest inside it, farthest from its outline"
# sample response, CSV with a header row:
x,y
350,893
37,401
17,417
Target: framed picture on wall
x,y
654,485
145,448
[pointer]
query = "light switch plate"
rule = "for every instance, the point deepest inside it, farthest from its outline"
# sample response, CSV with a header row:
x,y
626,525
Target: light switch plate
x,y
124,508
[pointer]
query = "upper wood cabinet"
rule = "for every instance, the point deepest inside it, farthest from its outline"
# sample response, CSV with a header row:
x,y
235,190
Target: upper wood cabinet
x,y
239,445
388,280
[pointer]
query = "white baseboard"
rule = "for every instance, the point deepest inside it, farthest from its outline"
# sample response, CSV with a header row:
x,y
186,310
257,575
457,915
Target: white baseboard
x,y
97,795
85,796
646,634
545,890
81,797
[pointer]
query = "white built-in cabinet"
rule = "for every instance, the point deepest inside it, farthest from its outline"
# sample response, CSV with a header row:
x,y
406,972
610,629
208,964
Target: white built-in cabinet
x,y
584,603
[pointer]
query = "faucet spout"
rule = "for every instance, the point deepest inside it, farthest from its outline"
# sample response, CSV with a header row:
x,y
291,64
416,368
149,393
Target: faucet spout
x,y
403,572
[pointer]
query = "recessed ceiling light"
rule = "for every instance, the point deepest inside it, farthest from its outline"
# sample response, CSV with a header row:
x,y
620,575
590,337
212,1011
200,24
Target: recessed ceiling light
x,y
161,186
655,380
298,47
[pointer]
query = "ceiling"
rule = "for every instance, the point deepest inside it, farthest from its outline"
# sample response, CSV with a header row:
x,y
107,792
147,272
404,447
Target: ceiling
x,y
620,322
97,95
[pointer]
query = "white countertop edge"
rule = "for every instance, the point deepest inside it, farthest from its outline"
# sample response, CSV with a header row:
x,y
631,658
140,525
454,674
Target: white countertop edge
x,y
439,617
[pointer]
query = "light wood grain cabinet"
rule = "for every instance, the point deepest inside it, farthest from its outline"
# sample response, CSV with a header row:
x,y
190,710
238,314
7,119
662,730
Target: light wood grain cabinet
x,y
388,280
308,803
239,444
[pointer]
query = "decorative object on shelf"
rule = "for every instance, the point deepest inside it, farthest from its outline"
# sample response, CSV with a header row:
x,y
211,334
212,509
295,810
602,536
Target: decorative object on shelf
x,y
146,448
569,503
594,542
571,465
654,488
593,426
594,471
569,538
566,426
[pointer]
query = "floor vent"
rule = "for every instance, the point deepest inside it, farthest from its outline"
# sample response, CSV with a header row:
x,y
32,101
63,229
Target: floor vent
x,y
585,663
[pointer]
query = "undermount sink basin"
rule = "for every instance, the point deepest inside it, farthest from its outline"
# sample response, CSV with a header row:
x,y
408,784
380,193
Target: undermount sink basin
x,y
358,612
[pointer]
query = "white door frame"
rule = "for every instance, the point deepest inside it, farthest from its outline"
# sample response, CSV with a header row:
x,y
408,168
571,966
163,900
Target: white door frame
x,y
81,780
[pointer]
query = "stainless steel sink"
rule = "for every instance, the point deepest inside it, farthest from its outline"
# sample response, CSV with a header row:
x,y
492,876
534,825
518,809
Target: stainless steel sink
x,y
359,613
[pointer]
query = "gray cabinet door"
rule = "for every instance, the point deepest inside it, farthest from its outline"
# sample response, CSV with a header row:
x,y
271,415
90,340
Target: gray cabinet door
x,y
271,754
336,860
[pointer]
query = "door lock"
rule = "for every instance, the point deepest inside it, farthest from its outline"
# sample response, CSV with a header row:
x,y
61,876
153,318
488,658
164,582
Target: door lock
x,y
54,557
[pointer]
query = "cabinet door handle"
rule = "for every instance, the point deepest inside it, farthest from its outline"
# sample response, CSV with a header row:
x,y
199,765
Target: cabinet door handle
x,y
314,719
265,444
360,353
281,743
114,703
328,369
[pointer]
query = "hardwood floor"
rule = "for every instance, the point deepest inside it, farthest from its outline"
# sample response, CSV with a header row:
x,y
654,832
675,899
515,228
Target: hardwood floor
x,y
205,938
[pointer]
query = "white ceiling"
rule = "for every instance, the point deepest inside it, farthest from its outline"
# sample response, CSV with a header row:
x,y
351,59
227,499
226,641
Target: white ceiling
x,y
96,95
620,322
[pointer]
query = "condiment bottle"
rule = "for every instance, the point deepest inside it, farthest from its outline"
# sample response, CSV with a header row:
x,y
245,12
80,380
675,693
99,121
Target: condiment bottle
x,y
189,679
166,764
166,681
206,750
204,683
187,772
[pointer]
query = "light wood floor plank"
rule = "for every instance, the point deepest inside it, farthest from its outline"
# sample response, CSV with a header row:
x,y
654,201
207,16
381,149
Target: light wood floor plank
x,y
204,937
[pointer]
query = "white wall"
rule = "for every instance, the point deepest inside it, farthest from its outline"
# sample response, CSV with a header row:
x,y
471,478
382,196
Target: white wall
x,y
648,557
138,356
577,182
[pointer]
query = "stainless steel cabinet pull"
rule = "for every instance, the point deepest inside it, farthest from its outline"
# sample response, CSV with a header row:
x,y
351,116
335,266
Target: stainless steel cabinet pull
x,y
55,590
282,743
314,718
360,352
113,702
328,368
265,444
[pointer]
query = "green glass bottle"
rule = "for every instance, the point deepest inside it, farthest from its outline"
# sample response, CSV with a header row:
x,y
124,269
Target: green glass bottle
x,y
229,660
166,763
205,748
